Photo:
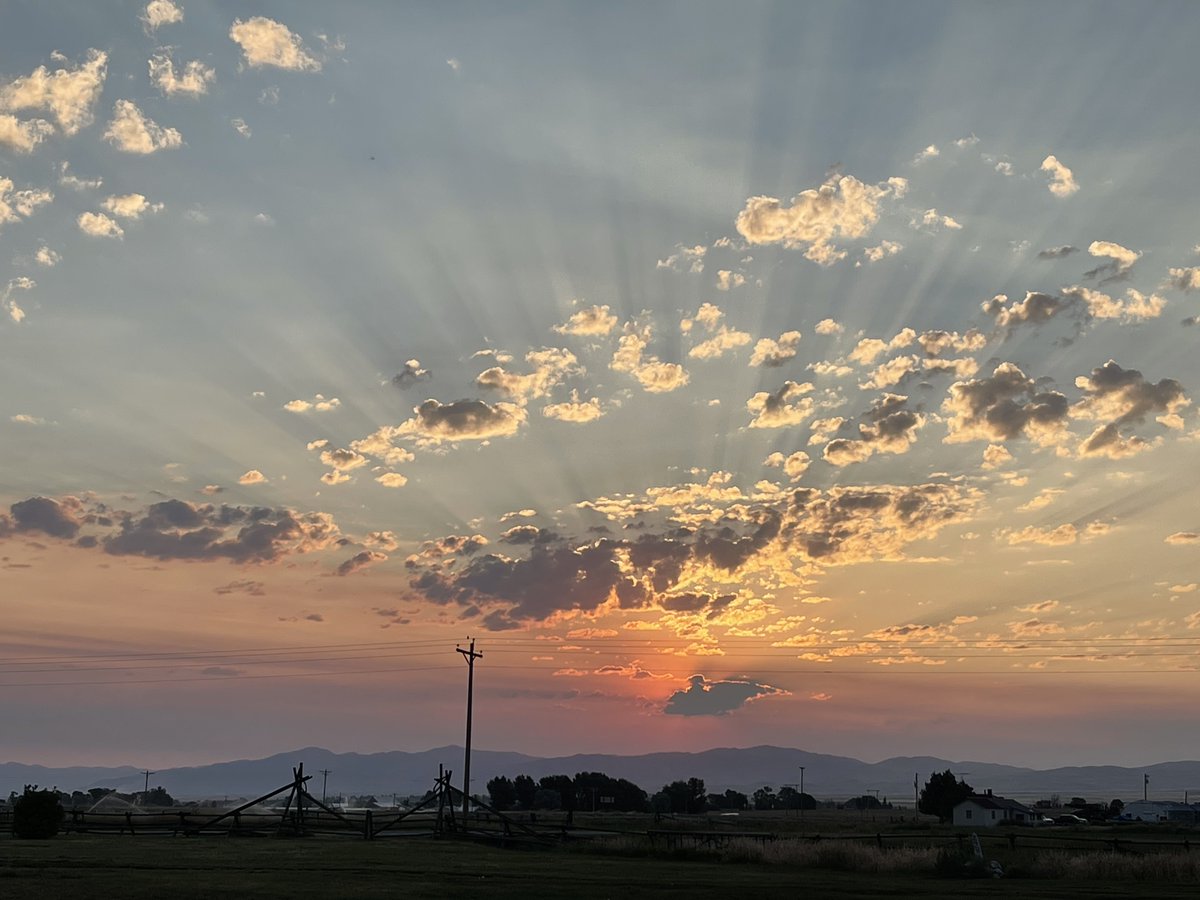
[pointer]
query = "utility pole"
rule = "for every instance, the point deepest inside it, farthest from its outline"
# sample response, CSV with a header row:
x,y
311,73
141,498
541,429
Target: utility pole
x,y
470,656
916,794
1146,786
802,798
147,773
324,782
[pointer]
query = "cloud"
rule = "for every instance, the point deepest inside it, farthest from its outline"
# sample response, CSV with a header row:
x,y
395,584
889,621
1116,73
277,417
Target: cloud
x,y
472,420
995,456
575,410
934,343
727,279
51,517
891,427
16,205
245,586
794,466
655,376
130,206
317,404
829,326
841,208
130,131
891,372
392,480
1119,397
20,283
884,250
1062,182
593,320
75,183
240,126
786,406
341,461
1182,538
689,258
46,257
1057,252
1046,537
930,152
99,225
1185,279
550,367
23,136
932,220
1122,259
253,476
1004,406
1136,307
192,81
69,94
265,42
772,353
1044,498
717,698
159,13
26,419
411,375
361,561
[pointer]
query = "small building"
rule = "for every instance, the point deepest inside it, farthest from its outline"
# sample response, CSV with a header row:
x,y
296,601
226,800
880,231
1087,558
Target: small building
x,y
988,811
1161,811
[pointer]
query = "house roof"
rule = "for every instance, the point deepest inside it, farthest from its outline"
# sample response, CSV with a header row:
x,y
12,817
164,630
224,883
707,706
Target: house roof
x,y
990,801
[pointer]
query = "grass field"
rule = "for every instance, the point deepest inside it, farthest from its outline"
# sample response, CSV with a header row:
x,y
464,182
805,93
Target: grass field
x,y
81,867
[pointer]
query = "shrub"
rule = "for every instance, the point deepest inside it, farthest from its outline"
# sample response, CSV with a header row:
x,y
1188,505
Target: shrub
x,y
37,814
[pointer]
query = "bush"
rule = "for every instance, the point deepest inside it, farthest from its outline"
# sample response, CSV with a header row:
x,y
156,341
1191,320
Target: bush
x,y
37,814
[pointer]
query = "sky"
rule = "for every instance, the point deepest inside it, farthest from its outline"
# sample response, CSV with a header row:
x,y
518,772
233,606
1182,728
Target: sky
x,y
808,374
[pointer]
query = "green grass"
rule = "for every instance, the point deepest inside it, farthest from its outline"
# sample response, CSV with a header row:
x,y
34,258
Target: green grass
x,y
80,867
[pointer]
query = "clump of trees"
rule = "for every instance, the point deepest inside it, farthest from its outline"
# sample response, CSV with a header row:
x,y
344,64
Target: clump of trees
x,y
37,814
586,791
787,798
943,792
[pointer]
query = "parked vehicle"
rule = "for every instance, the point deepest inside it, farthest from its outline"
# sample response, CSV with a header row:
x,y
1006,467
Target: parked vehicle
x,y
1069,819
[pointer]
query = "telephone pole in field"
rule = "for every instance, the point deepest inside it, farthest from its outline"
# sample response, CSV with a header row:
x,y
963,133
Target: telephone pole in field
x,y
470,656
324,782
147,773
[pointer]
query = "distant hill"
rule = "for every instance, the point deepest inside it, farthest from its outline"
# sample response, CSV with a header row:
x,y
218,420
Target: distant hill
x,y
826,776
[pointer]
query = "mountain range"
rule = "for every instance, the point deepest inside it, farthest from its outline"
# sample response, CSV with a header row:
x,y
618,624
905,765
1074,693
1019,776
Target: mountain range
x,y
746,769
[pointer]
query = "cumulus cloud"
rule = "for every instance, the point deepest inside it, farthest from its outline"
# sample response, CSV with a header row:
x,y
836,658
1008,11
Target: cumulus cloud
x,y
48,516
891,373
550,366
1182,538
592,320
68,94
654,375
727,279
1185,279
935,343
689,259
771,353
23,136
131,131
265,42
884,250
717,698
1036,308
1003,406
930,152
412,374
47,257
787,406
392,480
574,410
841,208
191,81
1136,306
159,13
99,225
829,326
317,404
361,561
794,465
130,206
462,420
1062,181
891,427
341,460
253,477
932,220
16,205
9,304
1057,252
240,126
1121,259
995,456
1119,397
74,182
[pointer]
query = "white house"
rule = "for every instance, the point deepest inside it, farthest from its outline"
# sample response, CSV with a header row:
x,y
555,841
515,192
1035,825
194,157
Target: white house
x,y
988,811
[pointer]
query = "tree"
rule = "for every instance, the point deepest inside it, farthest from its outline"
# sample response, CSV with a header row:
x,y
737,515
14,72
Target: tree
x,y
731,799
687,796
526,789
1115,808
157,796
565,787
503,793
943,792
37,814
764,798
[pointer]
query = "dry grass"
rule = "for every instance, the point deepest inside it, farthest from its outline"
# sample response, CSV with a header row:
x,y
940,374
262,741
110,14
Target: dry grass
x,y
1161,867
843,856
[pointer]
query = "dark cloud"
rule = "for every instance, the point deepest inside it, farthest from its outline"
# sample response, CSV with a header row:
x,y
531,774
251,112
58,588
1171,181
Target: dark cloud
x,y
1003,406
47,516
1119,397
717,698
411,375
1035,309
1057,252
253,588
891,427
361,561
463,420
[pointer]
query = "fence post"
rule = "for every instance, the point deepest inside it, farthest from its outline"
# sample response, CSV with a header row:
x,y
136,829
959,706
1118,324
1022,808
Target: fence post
x,y
368,827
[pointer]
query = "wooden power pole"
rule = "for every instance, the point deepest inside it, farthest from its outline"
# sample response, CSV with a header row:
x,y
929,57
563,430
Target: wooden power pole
x,y
470,656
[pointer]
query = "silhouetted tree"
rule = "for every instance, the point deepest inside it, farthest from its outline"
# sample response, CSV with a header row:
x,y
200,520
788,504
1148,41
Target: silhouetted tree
x,y
686,796
565,787
764,798
502,792
731,799
526,789
37,814
943,792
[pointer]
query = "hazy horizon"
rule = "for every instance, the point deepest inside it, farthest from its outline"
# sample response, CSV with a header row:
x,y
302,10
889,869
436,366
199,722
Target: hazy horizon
x,y
801,374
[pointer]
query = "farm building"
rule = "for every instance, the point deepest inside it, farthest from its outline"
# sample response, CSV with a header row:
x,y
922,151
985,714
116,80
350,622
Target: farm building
x,y
1161,811
988,810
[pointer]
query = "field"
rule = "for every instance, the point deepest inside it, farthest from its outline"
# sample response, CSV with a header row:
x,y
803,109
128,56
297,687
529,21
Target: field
x,y
846,863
